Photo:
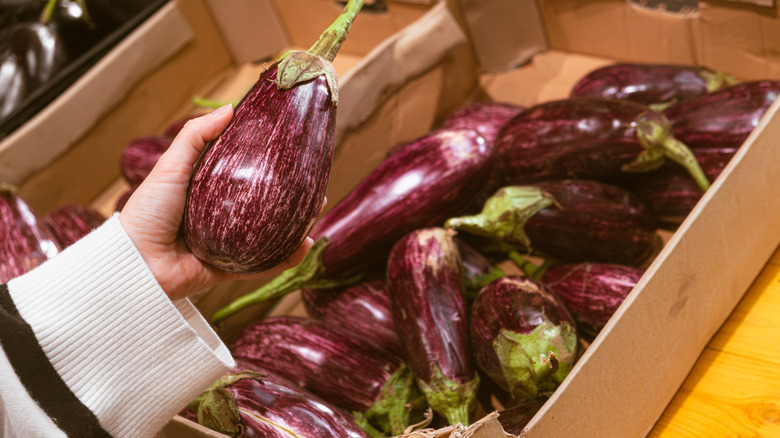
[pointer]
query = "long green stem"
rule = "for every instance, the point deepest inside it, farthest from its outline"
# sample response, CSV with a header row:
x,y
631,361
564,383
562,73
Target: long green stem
x,y
48,11
330,41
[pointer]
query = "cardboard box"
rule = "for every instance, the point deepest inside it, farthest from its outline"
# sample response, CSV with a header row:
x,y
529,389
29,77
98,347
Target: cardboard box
x,y
404,85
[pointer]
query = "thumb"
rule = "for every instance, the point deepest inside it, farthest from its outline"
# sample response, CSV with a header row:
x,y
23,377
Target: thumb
x,y
196,133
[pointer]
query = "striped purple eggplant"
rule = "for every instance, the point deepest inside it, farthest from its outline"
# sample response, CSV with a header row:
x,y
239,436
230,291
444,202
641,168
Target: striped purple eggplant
x,y
258,188
477,269
487,118
344,369
436,176
362,309
172,130
69,223
574,220
425,282
251,404
24,242
140,156
514,419
651,84
588,138
722,118
523,337
592,291
669,192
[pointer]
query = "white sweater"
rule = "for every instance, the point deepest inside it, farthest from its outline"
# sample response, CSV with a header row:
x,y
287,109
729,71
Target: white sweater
x,y
92,346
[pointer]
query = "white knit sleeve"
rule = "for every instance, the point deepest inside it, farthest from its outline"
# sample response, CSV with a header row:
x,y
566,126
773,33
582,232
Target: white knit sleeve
x,y
128,353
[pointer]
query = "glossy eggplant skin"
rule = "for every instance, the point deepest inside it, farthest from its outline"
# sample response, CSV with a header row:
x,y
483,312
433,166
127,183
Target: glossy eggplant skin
x,y
650,83
425,282
346,370
428,180
523,337
246,404
587,138
592,292
70,222
670,192
513,419
722,118
487,118
362,309
24,242
257,190
140,156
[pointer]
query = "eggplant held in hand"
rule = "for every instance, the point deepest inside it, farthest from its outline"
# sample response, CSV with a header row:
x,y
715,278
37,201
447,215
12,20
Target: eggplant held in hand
x,y
424,277
574,220
257,189
655,85
523,338
330,362
249,404
432,178
589,138
722,118
592,291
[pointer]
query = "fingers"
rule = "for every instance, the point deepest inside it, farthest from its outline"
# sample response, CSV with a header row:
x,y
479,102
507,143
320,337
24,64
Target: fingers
x,y
190,142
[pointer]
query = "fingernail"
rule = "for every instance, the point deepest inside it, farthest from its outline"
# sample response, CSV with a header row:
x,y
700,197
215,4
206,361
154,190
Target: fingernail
x,y
222,110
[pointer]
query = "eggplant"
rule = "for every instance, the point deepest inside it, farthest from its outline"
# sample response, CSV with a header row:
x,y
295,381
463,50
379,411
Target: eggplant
x,y
487,118
362,309
124,197
514,419
425,282
722,118
172,130
588,138
523,337
435,177
669,192
592,291
478,271
25,243
655,85
332,363
258,188
140,155
70,222
251,404
571,220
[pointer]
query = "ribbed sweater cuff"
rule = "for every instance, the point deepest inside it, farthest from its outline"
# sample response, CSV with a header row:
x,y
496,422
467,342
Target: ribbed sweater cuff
x,y
123,348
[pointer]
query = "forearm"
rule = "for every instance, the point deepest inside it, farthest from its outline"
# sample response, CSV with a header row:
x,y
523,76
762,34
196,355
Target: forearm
x,y
107,345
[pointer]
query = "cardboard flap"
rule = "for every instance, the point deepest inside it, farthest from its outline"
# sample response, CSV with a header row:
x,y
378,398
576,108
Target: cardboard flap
x,y
406,55
256,22
51,132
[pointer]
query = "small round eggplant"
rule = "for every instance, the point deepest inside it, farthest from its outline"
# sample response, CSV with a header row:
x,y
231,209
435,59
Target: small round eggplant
x,y
425,282
651,84
71,222
343,369
573,220
140,156
523,337
592,291
363,309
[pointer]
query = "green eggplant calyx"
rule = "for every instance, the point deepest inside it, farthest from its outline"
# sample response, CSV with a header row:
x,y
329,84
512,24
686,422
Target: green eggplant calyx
x,y
537,362
717,80
392,410
475,284
505,213
297,66
309,270
217,408
454,400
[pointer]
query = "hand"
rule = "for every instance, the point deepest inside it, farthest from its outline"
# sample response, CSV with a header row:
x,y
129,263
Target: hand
x,y
153,214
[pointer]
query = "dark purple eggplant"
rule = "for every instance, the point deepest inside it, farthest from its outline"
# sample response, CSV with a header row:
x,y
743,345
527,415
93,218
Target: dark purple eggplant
x,y
669,192
425,282
69,223
140,156
592,291
251,404
523,337
435,177
514,419
487,118
478,271
330,362
651,84
722,118
25,243
573,220
257,189
588,138
362,309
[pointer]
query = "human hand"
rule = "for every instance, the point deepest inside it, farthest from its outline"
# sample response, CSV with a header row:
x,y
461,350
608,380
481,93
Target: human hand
x,y
153,215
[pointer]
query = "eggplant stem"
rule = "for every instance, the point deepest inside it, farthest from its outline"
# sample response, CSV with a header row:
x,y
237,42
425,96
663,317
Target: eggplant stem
x,y
211,103
48,11
331,40
85,14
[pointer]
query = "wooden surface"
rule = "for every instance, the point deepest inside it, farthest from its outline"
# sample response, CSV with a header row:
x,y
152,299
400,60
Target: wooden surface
x,y
734,388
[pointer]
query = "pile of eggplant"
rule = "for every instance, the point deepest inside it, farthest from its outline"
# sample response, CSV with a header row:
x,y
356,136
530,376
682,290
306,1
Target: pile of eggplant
x,y
475,264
